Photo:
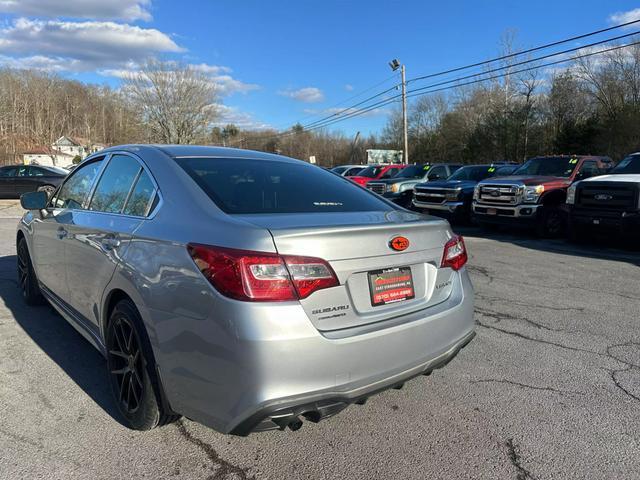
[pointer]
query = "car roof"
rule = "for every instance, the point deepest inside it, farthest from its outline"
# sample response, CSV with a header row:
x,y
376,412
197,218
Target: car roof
x,y
181,151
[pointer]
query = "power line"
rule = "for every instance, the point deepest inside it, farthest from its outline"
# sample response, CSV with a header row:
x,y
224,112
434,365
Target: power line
x,y
524,52
352,111
418,92
524,62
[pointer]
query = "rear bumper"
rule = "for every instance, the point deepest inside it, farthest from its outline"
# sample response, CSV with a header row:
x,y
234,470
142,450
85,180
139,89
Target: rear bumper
x,y
255,369
320,406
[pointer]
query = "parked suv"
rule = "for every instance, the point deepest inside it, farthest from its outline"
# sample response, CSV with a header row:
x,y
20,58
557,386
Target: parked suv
x,y
399,188
451,198
189,269
607,203
534,193
375,172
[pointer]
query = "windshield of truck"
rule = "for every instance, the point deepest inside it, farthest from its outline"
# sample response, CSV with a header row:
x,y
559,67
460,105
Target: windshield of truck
x,y
475,173
412,171
371,172
630,164
548,167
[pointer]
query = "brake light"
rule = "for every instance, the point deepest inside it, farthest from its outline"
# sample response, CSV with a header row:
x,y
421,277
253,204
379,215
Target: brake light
x,y
259,276
455,253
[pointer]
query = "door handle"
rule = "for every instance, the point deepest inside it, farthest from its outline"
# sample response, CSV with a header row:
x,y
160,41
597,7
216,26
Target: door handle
x,y
110,242
62,233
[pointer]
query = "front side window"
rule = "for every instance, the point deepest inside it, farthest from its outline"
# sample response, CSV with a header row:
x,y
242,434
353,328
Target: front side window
x,y
35,172
243,186
115,184
76,189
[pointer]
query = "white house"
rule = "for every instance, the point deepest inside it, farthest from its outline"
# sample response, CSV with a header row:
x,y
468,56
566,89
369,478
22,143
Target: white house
x,y
47,156
72,146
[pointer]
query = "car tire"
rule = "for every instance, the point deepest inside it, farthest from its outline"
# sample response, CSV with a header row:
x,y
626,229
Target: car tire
x,y
132,370
49,189
551,222
27,280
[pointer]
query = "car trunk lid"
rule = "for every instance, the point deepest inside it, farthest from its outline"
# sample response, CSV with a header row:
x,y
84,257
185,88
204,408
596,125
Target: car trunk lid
x,y
357,244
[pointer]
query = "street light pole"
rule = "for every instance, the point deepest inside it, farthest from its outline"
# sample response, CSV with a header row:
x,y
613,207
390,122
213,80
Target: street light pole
x,y
404,116
395,64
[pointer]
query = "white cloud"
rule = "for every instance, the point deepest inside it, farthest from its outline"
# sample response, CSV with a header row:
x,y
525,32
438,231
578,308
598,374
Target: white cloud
x,y
238,118
103,9
625,17
91,44
307,94
219,75
348,87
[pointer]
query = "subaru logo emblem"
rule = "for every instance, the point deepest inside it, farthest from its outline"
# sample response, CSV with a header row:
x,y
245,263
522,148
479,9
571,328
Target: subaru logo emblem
x,y
603,196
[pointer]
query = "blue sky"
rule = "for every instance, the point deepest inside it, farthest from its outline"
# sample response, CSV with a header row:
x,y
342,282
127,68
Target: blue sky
x,y
281,62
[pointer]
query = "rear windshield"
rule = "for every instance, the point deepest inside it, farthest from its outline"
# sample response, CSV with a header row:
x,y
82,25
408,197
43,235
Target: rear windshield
x,y
243,186
548,166
631,164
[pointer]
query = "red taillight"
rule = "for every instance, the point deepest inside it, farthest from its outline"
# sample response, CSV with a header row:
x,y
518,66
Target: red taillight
x,y
455,253
259,276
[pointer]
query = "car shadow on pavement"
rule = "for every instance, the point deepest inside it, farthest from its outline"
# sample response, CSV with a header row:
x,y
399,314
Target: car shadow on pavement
x,y
59,340
596,248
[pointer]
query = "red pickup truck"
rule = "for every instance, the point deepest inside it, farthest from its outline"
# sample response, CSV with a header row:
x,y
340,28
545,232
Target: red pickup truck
x,y
376,172
535,192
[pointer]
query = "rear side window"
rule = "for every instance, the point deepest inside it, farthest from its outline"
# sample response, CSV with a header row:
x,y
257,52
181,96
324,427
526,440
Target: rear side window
x,y
7,172
240,186
76,188
115,184
141,197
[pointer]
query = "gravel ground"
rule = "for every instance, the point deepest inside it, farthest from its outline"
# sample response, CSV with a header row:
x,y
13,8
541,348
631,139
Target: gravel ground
x,y
550,388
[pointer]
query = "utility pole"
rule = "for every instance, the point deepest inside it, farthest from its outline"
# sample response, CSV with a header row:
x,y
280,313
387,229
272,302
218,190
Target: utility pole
x,y
405,157
395,64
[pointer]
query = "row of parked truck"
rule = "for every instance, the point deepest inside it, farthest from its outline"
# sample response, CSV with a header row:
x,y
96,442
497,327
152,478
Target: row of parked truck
x,y
552,194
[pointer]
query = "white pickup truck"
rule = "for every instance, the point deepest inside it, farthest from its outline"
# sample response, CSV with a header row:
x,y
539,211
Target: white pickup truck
x,y
608,203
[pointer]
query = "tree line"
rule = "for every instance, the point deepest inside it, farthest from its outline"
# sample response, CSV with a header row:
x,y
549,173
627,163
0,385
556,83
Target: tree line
x,y
590,107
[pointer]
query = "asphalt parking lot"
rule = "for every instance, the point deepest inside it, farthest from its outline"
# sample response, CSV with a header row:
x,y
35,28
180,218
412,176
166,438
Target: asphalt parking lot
x,y
549,388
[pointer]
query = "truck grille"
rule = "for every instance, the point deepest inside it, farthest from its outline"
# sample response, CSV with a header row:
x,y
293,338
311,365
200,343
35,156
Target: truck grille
x,y
378,188
431,195
607,195
499,194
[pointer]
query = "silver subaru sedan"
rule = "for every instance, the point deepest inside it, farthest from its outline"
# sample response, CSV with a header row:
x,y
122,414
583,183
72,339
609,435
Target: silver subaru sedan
x,y
244,290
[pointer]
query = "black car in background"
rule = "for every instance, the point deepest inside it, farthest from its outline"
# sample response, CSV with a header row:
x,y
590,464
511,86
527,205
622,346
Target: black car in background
x,y
451,198
18,179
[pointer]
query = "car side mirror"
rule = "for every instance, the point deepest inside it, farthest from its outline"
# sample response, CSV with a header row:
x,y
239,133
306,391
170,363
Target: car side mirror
x,y
34,200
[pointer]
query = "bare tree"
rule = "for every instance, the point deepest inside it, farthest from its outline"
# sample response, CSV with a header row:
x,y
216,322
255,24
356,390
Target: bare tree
x,y
176,101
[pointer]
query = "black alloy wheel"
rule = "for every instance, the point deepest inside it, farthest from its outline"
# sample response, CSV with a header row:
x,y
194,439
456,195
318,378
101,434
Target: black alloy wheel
x,y
132,370
27,280
126,365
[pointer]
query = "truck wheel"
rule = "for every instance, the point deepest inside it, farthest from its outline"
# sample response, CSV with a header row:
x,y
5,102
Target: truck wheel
x,y
551,222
